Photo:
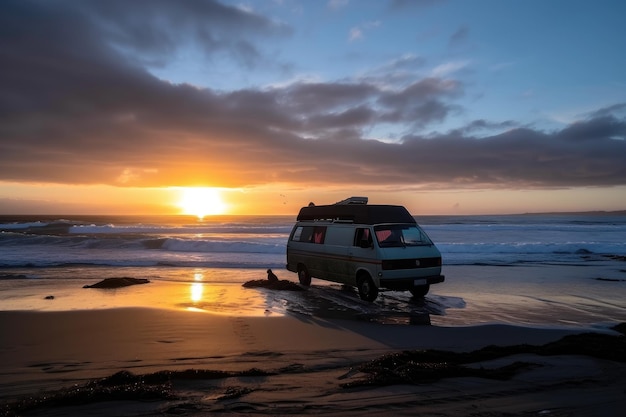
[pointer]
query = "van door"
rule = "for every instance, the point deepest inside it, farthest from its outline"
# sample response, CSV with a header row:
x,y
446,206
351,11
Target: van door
x,y
362,253
338,242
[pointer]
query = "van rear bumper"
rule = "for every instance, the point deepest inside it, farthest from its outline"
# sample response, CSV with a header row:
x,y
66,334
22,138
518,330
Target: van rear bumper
x,y
404,284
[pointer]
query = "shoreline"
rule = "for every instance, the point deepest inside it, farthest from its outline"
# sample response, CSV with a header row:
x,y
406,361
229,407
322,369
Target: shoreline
x,y
304,360
568,296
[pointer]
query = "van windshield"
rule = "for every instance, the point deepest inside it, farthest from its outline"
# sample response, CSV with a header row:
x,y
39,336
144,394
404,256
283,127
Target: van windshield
x,y
401,235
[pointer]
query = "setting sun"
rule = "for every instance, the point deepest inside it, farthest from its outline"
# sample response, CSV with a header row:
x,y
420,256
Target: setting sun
x,y
200,201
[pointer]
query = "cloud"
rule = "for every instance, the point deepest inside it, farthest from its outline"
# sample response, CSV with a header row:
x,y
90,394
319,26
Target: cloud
x,y
358,32
77,107
337,4
485,125
395,73
459,37
619,108
152,31
445,69
355,34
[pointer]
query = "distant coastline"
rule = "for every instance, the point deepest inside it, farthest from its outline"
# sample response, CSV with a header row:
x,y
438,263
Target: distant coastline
x,y
579,213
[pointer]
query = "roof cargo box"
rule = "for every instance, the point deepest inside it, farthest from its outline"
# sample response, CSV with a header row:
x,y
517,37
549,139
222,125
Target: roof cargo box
x,y
357,213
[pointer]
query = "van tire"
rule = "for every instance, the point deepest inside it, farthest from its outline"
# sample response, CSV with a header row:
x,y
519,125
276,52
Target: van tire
x,y
421,291
303,276
367,289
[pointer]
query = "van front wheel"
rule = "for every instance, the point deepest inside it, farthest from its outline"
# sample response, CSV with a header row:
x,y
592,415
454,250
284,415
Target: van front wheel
x,y
303,276
367,288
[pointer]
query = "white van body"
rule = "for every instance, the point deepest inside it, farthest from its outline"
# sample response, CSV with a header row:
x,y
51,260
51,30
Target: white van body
x,y
367,246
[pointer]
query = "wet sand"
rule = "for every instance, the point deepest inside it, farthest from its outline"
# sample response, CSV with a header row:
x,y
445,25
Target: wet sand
x,y
195,363
190,348
301,366
536,296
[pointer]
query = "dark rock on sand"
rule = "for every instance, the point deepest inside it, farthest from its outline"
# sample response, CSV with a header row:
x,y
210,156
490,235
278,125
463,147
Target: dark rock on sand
x,y
118,282
282,285
49,297
273,283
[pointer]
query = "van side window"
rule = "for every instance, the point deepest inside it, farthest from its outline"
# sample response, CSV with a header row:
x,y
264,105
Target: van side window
x,y
297,234
311,234
362,237
318,234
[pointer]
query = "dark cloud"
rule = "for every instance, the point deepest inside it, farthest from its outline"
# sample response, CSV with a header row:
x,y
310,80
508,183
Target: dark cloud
x,y
420,103
485,125
77,105
528,158
314,97
595,129
619,108
459,36
158,27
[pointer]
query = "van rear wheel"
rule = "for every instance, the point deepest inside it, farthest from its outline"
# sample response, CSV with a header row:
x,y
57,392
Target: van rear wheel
x,y
303,276
421,291
367,289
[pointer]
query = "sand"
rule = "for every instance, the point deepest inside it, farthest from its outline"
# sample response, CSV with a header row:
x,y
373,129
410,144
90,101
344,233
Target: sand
x,y
279,365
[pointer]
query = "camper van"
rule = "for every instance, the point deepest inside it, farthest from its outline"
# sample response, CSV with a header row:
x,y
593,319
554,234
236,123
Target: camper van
x,y
367,246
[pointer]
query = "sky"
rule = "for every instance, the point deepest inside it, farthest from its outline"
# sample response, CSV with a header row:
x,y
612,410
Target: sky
x,y
444,106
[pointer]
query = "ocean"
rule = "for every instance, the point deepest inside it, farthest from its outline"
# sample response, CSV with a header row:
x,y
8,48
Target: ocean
x,y
541,253
39,242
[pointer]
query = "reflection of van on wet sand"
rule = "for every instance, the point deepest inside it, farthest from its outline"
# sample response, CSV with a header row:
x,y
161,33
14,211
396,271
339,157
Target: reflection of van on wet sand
x,y
367,246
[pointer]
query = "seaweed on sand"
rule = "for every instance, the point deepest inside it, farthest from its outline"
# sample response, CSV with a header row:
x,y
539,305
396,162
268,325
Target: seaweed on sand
x,y
125,385
118,387
418,367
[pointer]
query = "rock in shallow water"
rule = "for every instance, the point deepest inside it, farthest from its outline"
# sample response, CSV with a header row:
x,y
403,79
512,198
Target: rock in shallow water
x,y
282,285
118,282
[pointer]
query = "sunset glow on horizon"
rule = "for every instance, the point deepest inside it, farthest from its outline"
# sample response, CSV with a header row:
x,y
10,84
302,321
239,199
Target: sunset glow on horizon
x,y
201,201
446,107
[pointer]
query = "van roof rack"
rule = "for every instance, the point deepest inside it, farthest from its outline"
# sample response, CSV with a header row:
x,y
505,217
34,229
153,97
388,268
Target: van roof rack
x,y
350,211
352,200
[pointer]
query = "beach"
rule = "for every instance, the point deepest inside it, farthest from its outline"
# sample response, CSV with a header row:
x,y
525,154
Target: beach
x,y
265,360
527,322
331,208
